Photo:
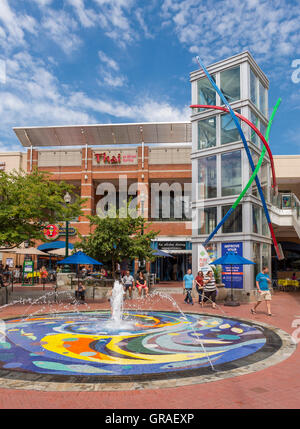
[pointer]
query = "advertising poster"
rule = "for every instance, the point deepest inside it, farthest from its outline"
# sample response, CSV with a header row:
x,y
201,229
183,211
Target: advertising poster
x,y
237,270
203,259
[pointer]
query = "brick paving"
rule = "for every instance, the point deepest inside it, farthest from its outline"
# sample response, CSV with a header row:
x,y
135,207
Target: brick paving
x,y
274,387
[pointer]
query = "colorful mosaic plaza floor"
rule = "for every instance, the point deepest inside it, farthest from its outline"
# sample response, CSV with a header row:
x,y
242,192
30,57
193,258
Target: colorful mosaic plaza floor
x,y
87,346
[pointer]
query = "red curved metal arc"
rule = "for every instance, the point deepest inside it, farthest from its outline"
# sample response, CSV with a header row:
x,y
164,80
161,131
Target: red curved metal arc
x,y
224,109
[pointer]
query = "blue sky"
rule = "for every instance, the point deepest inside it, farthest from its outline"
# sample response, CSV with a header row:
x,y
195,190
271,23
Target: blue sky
x,y
100,61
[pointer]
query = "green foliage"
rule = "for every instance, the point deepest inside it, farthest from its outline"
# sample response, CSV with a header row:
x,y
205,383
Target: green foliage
x,y
117,236
217,270
28,202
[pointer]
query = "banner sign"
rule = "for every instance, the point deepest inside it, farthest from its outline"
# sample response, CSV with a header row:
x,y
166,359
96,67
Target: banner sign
x,y
51,232
203,259
28,267
237,270
171,245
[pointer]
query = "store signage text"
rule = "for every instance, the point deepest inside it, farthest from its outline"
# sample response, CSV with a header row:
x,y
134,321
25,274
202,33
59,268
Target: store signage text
x,y
172,245
114,159
52,231
106,159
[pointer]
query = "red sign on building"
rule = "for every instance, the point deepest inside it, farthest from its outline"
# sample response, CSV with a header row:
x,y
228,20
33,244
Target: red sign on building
x,y
108,160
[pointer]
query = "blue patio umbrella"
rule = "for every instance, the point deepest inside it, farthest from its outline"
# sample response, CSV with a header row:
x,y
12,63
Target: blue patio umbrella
x,y
158,252
79,258
231,258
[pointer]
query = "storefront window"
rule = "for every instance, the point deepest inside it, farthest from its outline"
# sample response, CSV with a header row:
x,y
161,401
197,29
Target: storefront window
x,y
256,259
207,177
265,255
207,220
207,133
229,131
206,93
231,173
235,221
256,214
262,99
253,88
230,84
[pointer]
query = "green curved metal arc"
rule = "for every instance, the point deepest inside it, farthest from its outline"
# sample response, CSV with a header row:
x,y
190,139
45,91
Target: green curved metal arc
x,y
261,157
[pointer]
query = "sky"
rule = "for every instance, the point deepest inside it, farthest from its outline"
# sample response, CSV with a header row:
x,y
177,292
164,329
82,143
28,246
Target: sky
x,y
69,62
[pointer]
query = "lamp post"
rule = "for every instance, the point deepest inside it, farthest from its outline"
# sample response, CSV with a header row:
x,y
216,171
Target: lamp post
x,y
142,199
67,199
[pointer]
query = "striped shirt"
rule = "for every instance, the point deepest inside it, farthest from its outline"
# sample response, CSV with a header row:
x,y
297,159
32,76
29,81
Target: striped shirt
x,y
211,285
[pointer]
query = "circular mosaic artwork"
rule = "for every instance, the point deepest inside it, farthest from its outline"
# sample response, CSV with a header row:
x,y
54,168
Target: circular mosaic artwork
x,y
89,347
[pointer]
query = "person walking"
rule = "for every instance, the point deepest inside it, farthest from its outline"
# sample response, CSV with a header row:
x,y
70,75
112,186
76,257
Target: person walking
x,y
128,282
188,283
199,280
210,288
262,283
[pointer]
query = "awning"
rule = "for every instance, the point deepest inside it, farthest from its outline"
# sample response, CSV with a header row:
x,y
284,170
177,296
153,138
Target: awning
x,y
105,134
54,245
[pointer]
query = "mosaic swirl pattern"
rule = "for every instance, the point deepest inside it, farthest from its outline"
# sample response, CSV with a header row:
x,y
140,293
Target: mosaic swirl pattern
x,y
148,344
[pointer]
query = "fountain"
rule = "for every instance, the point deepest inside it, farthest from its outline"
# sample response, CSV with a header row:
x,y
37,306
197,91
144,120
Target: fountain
x,y
116,302
128,344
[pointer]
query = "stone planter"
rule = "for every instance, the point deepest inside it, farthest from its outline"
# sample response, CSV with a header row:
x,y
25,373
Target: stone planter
x,y
222,292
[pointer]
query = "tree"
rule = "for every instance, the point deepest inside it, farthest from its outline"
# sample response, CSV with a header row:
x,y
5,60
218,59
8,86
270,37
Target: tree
x,y
117,236
28,202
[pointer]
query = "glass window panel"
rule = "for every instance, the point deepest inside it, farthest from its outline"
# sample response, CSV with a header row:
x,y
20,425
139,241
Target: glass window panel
x,y
263,129
254,137
255,160
265,227
230,84
253,88
207,220
229,131
207,133
264,179
207,177
262,99
235,221
256,215
265,255
231,170
206,93
256,259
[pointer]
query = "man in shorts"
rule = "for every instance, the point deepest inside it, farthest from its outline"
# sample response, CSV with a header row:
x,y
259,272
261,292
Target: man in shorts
x,y
128,282
262,284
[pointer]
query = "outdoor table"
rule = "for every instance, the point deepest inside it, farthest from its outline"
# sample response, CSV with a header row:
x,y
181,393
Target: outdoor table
x,y
284,284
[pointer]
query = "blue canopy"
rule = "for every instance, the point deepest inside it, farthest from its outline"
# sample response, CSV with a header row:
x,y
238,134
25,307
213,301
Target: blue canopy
x,y
59,244
79,258
231,258
158,252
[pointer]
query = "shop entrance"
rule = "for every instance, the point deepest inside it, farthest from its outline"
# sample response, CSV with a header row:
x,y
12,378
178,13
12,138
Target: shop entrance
x,y
172,269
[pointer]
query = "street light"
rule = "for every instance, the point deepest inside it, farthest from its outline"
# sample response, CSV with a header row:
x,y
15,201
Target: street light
x,y
142,199
67,199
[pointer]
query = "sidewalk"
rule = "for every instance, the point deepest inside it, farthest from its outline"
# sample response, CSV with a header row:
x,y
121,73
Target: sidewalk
x,y
277,386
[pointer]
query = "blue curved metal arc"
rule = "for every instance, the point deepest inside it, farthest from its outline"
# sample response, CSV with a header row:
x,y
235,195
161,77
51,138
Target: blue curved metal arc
x,y
242,136
218,226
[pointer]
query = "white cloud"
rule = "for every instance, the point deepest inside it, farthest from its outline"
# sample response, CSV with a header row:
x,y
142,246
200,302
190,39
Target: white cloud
x,y
87,17
108,61
60,27
12,31
268,28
